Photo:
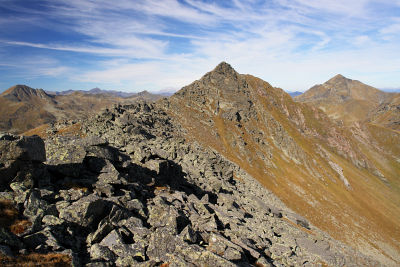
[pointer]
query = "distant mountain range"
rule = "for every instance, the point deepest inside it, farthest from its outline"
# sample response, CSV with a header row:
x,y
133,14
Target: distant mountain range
x,y
23,108
391,90
97,91
293,94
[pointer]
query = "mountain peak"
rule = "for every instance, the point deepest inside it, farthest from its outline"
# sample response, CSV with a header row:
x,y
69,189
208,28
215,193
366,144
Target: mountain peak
x,y
20,93
338,78
224,68
17,88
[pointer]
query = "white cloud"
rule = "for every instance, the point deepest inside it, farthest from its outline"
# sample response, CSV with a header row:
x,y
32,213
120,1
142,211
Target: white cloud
x,y
158,44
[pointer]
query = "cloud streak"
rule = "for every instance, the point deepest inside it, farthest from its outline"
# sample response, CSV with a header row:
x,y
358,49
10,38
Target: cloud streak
x,y
159,44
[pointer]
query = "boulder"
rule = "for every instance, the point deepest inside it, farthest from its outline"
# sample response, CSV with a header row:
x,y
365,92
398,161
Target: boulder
x,y
86,211
18,153
24,148
98,252
162,242
115,242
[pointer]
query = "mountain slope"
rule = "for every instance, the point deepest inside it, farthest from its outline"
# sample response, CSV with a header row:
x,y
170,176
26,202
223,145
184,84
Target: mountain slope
x,y
315,166
351,101
23,108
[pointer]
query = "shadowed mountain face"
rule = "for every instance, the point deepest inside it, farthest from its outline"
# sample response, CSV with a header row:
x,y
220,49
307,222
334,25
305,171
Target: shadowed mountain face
x,y
352,101
23,108
331,174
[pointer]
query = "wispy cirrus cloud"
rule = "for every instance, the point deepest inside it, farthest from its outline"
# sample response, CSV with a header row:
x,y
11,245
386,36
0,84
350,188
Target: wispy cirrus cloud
x,y
169,43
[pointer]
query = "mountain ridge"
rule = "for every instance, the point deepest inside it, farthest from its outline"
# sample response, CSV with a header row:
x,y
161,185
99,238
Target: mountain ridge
x,y
260,127
343,180
353,101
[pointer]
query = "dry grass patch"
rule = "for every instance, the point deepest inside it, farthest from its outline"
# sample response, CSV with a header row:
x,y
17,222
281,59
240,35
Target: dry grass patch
x,y
35,259
9,218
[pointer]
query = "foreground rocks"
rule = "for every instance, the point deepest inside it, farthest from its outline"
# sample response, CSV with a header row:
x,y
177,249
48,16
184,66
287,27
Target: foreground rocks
x,y
133,192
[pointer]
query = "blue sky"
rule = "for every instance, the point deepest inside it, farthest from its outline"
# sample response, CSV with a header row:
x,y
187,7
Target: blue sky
x,y
162,45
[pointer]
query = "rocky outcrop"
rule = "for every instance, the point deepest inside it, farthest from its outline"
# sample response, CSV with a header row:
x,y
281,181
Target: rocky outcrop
x,y
140,195
19,155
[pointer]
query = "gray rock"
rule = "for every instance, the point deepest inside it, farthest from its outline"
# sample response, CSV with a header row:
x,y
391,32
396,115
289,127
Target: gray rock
x,y
114,241
85,211
52,220
189,235
159,166
131,223
18,153
34,205
130,261
98,252
221,246
24,148
104,228
44,237
161,243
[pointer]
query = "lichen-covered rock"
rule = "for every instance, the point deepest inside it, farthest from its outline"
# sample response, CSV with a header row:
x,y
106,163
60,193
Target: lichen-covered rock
x,y
141,195
19,153
86,211
24,148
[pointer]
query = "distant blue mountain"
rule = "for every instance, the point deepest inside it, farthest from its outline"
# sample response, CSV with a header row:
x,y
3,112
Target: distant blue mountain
x,y
293,94
97,91
391,90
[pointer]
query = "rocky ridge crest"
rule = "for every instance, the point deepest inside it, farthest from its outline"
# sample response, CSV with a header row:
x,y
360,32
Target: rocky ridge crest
x,y
134,192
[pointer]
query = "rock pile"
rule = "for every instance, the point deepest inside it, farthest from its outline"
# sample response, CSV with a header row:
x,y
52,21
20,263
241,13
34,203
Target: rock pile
x,y
133,192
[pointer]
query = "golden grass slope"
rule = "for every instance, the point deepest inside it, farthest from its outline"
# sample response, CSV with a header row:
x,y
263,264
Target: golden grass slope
x,y
300,154
353,101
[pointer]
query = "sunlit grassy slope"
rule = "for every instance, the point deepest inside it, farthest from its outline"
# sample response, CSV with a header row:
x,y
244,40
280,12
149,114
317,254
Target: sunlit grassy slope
x,y
291,147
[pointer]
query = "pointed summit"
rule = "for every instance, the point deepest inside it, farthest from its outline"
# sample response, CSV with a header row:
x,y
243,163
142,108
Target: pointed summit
x,y
339,78
343,98
221,72
224,68
25,93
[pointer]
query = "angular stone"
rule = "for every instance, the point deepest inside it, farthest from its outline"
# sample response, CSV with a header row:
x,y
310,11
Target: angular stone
x,y
189,235
114,241
85,211
221,246
52,220
34,206
130,261
98,252
44,237
131,223
159,166
200,257
25,148
105,227
161,243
